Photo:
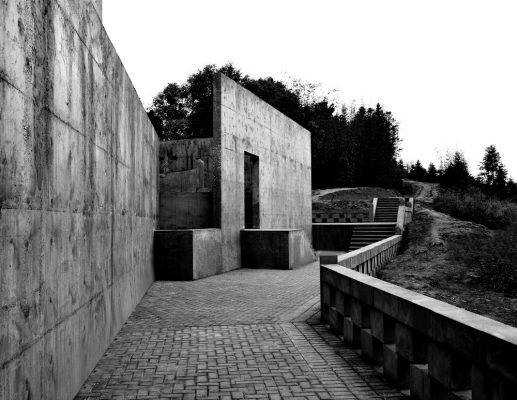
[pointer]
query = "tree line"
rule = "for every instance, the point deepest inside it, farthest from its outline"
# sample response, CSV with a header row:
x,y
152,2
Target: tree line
x,y
350,146
454,174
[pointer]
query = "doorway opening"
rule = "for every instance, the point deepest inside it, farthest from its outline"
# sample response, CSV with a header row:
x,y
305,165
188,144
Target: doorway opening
x,y
251,192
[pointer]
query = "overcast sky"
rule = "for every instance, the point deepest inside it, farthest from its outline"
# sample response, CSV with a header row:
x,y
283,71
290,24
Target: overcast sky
x,y
447,69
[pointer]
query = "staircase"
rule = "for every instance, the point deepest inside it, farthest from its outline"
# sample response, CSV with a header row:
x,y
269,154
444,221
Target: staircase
x,y
369,233
387,209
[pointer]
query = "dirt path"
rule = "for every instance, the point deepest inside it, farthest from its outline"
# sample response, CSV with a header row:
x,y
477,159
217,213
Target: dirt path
x,y
428,265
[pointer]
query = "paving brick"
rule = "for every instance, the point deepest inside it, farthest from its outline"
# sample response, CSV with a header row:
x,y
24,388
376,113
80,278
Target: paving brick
x,y
240,335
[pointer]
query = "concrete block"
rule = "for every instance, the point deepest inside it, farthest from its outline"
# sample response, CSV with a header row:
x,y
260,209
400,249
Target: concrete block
x,y
336,321
360,313
327,294
371,348
410,344
187,254
343,303
395,367
275,248
419,382
449,370
487,385
460,395
351,333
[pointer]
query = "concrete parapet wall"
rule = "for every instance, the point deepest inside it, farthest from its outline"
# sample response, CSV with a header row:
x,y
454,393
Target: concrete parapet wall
x,y
435,349
78,196
368,260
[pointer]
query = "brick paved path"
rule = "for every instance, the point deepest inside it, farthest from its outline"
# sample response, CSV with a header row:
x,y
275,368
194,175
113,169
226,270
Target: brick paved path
x,y
240,335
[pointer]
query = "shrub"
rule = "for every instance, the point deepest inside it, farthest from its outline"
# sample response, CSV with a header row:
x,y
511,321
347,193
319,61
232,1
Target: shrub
x,y
493,260
473,205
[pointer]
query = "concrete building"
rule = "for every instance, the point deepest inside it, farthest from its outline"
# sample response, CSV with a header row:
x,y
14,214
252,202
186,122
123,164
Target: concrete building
x,y
244,193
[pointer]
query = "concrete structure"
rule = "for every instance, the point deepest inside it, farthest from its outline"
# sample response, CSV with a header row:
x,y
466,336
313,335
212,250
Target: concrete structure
x,y
78,196
187,254
275,248
436,350
255,172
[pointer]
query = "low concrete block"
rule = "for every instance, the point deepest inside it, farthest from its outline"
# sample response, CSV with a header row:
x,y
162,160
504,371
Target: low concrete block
x,y
343,303
187,254
336,321
351,333
360,313
395,367
410,344
450,371
275,248
419,382
371,347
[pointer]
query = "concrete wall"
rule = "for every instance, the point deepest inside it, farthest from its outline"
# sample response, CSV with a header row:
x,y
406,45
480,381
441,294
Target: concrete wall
x,y
434,349
245,123
181,155
78,196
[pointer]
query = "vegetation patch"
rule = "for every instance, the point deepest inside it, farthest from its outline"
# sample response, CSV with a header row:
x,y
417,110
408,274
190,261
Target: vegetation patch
x,y
473,205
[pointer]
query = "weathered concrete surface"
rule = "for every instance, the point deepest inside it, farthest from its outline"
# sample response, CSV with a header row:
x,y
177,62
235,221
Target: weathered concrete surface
x,y
181,155
78,196
187,254
186,210
275,248
245,123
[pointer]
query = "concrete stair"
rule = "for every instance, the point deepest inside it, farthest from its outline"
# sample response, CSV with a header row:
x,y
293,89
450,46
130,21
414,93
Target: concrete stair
x,y
369,233
387,209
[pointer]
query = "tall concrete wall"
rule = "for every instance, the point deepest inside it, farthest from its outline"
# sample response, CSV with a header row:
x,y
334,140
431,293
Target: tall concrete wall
x,y
245,123
78,196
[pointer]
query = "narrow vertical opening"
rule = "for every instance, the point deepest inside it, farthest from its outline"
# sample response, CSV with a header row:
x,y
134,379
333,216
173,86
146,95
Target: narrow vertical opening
x,y
251,192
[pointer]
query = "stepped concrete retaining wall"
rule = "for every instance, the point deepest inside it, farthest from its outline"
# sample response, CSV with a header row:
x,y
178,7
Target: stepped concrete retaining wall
x,y
436,350
78,196
340,216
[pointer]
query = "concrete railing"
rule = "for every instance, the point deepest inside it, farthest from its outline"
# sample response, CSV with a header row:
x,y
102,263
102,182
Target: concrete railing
x,y
368,259
437,350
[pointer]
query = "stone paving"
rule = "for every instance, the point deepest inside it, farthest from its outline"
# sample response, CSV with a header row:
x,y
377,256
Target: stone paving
x,y
240,335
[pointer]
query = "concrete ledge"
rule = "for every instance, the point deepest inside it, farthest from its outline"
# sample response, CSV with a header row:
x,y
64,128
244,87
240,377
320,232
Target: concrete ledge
x,y
187,254
275,248
447,349
368,259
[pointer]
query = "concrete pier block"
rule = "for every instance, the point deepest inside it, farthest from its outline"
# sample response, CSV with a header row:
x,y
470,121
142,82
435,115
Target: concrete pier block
x,y
395,367
450,371
410,344
420,382
336,321
351,333
371,347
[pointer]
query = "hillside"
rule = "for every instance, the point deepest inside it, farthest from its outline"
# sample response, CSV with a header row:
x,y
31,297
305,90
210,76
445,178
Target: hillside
x,y
428,265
